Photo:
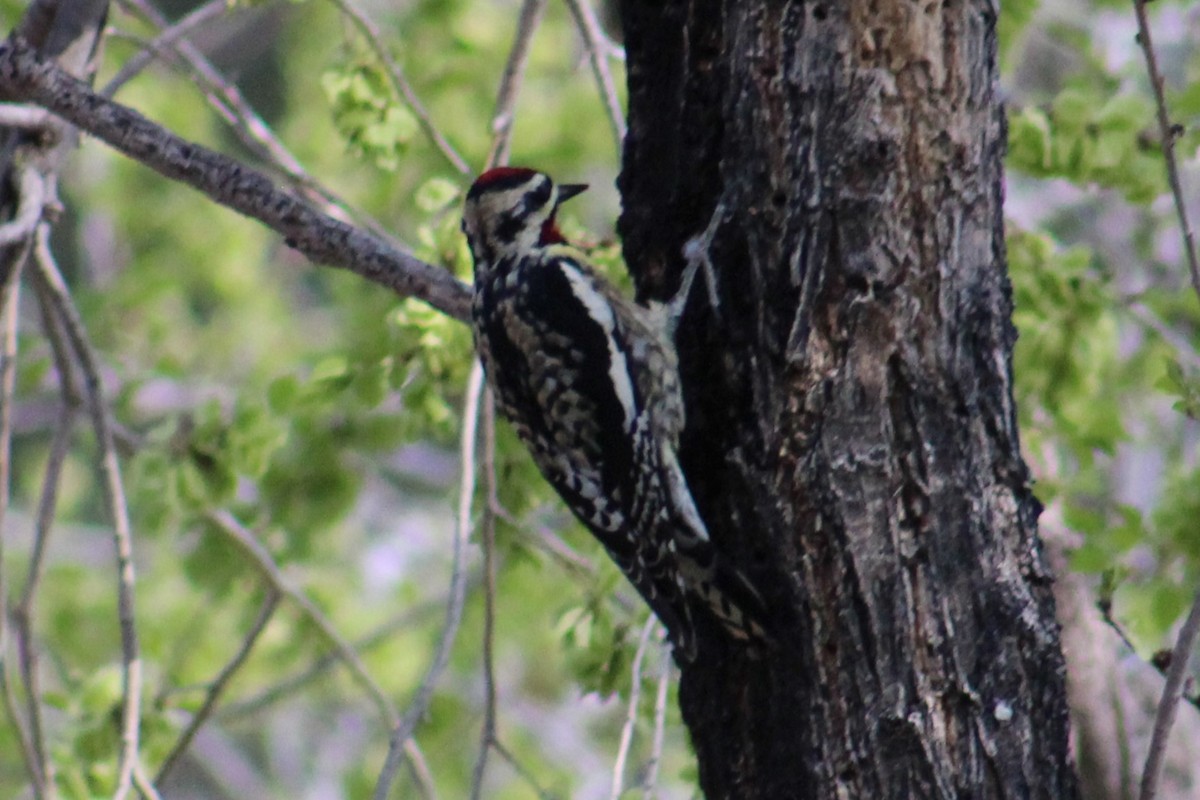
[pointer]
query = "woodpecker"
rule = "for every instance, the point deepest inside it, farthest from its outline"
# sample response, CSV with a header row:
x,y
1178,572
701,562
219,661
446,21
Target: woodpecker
x,y
590,381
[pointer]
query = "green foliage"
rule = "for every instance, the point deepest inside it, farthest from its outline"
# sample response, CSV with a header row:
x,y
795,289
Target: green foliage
x,y
316,409
1108,326
1087,138
1068,349
325,414
372,123
1012,23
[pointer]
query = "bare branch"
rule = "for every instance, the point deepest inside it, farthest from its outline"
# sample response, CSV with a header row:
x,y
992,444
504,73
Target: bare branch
x,y
165,39
1169,133
487,736
217,688
1105,607
321,238
375,40
63,309
510,81
47,506
458,585
635,694
143,783
596,44
296,682
419,768
1177,672
59,449
250,128
521,771
9,304
246,541
14,115
660,721
32,191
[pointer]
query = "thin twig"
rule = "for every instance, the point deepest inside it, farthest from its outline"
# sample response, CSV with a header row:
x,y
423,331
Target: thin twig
x,y
144,785
635,693
246,541
47,506
594,41
9,305
250,128
215,690
522,772
323,239
1168,705
270,571
510,81
60,447
113,490
32,192
487,736
294,683
1106,614
419,768
1169,133
375,40
458,584
1149,321
650,784
166,38
16,115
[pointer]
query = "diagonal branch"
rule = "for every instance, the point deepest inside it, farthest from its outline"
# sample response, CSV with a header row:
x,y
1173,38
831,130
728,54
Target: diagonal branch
x,y
47,507
458,586
324,240
113,490
1177,673
217,687
487,736
227,100
9,305
262,560
510,81
594,42
169,36
1169,133
635,694
375,40
650,781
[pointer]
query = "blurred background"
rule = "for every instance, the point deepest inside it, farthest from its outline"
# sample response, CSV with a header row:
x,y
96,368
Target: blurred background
x,y
316,413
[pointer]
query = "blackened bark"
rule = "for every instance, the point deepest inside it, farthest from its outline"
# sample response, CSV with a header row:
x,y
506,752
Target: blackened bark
x,y
852,439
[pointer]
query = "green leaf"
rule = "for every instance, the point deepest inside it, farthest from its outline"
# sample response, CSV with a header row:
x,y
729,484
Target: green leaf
x,y
1029,140
282,394
1125,113
330,367
435,194
1090,558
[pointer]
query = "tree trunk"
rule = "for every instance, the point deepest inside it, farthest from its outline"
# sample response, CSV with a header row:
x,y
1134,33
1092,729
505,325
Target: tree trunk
x,y
852,438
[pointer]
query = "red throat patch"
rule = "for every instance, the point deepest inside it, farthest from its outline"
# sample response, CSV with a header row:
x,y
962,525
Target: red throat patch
x,y
550,233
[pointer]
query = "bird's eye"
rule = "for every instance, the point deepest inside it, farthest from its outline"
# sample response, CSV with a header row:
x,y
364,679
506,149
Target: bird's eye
x,y
539,196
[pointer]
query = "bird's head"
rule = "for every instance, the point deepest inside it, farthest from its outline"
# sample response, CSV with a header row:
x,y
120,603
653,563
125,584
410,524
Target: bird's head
x,y
511,210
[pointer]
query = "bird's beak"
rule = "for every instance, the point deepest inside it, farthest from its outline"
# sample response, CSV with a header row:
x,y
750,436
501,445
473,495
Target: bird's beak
x,y
568,190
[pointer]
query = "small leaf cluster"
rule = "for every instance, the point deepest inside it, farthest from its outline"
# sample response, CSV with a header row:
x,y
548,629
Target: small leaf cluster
x,y
373,124
1087,139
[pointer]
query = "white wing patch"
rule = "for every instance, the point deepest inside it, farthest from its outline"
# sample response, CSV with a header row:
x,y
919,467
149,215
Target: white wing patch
x,y
599,309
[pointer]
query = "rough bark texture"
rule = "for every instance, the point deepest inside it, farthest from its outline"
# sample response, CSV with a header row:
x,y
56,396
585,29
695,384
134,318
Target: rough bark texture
x,y
852,439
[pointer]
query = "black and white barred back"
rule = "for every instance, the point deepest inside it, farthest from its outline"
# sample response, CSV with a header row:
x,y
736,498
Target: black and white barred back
x,y
590,381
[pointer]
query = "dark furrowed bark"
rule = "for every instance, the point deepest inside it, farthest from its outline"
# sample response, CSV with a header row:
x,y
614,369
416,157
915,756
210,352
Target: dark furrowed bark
x,y
851,441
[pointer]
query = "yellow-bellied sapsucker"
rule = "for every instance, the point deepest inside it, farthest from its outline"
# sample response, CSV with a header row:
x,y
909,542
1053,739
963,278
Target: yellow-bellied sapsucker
x,y
590,380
